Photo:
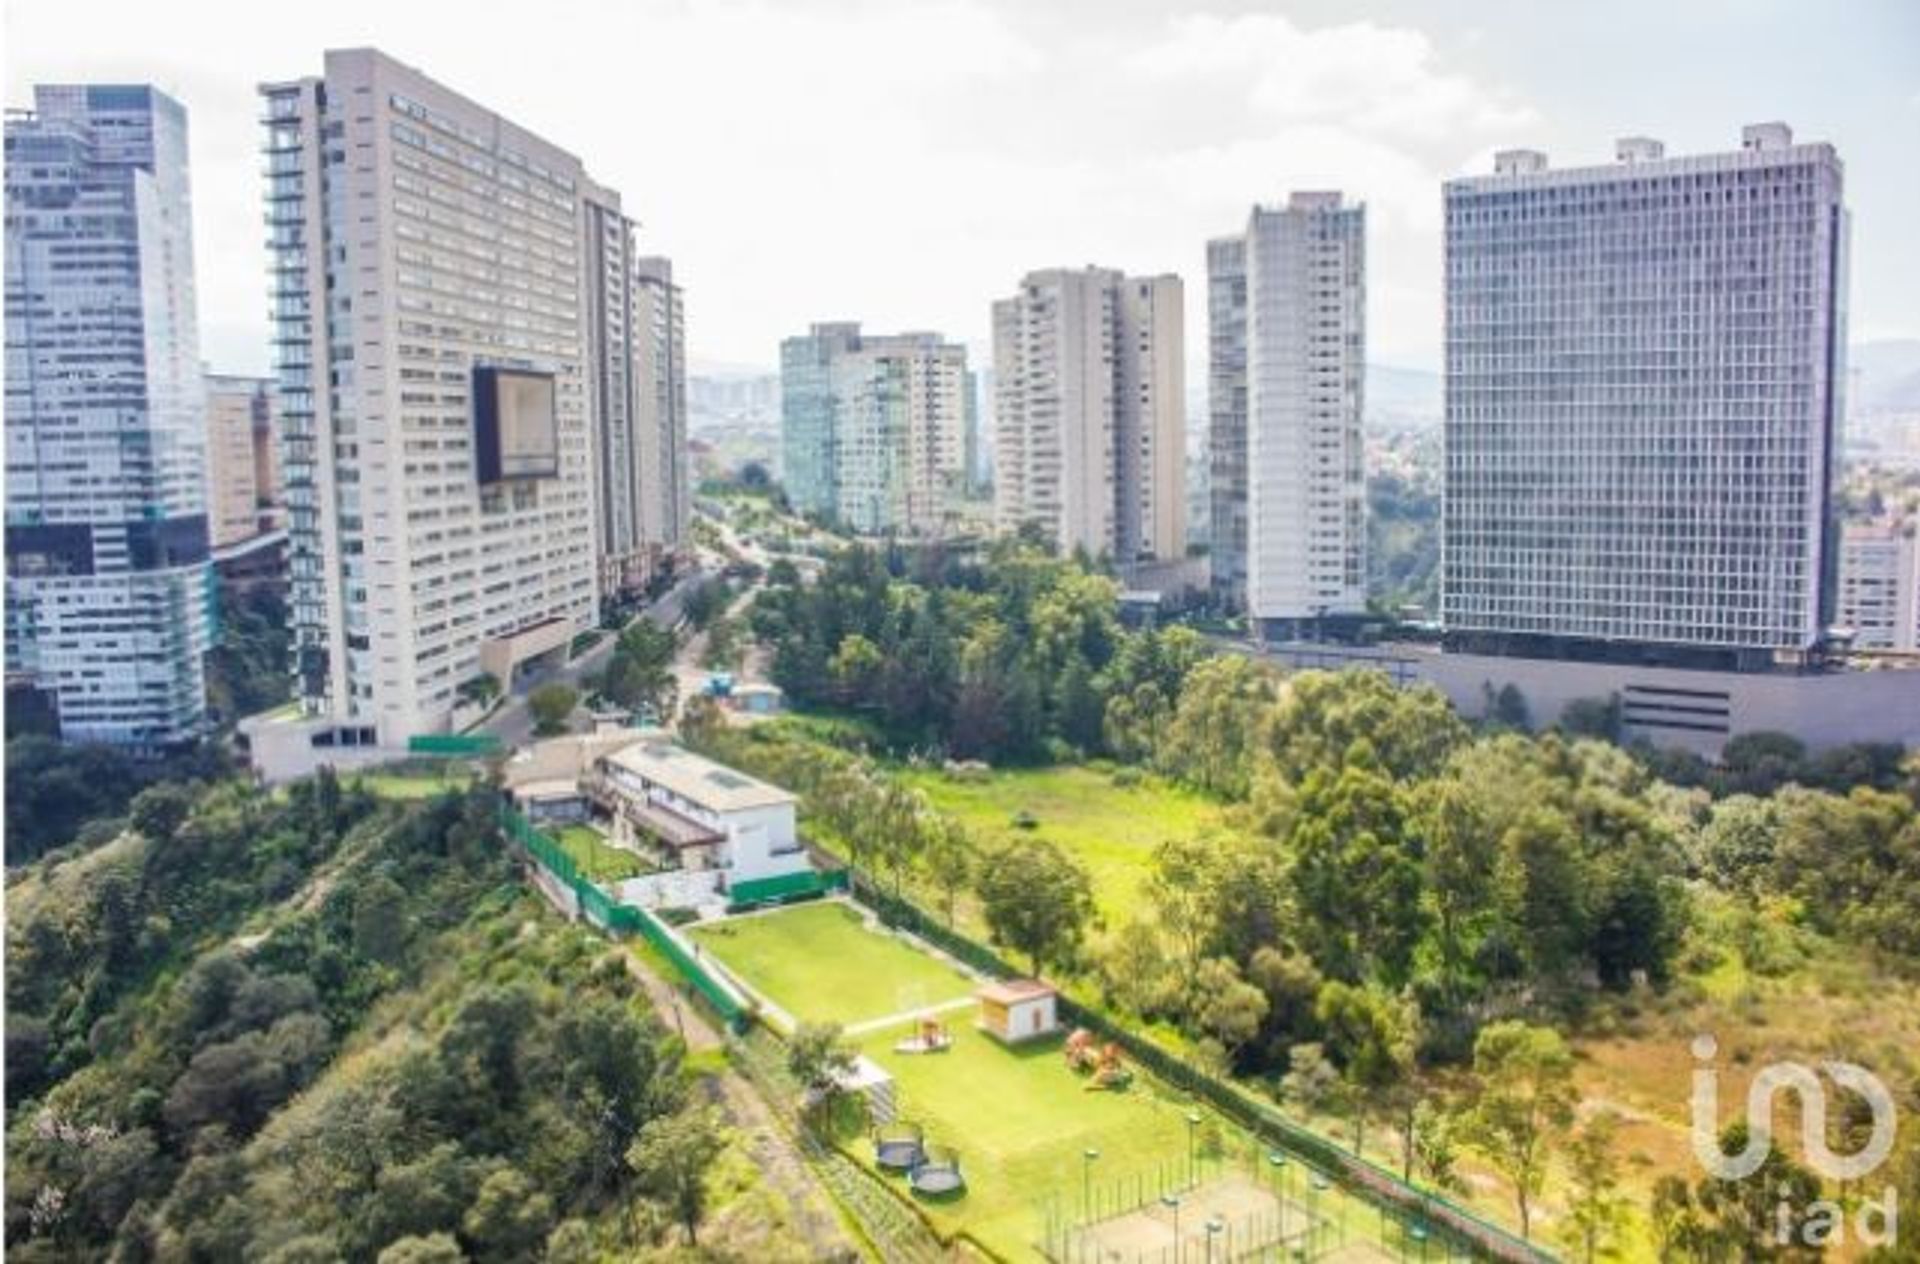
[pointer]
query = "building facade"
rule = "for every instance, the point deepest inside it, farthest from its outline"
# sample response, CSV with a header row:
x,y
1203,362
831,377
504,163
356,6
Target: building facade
x,y
1879,600
638,397
1090,412
243,463
109,588
666,501
1287,311
436,364
874,427
1227,420
1643,376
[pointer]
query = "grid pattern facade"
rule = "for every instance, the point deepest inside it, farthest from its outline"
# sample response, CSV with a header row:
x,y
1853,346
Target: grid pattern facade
x,y
875,427
416,236
660,360
1227,418
1643,368
1879,597
108,580
243,470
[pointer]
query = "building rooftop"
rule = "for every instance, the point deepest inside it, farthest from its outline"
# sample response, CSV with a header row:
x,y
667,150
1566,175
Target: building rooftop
x,y
696,778
1013,991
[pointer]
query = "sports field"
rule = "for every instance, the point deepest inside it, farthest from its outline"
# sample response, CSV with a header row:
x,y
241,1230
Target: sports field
x,y
1022,1122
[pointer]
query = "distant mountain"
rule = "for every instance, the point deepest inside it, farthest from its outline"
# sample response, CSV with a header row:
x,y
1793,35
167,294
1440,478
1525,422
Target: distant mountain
x,y
1884,376
1403,396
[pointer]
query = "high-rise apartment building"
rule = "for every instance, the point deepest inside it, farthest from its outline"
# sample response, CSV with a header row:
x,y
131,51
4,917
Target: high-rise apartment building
x,y
636,334
1643,375
666,500
1288,412
243,464
874,427
1089,412
108,582
1227,420
438,273
1879,599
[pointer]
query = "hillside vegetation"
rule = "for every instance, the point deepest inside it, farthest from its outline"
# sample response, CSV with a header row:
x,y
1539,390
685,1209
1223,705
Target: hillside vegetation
x,y
326,1027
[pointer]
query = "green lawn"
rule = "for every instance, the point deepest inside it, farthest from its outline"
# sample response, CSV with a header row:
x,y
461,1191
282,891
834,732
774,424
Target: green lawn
x,y
599,861
1113,830
821,964
409,786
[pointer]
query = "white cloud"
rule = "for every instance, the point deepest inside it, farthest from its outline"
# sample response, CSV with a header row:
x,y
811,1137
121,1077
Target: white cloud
x,y
899,163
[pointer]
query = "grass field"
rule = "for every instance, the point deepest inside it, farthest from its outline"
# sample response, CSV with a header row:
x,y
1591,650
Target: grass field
x,y
1113,830
599,861
821,964
408,786
1020,1119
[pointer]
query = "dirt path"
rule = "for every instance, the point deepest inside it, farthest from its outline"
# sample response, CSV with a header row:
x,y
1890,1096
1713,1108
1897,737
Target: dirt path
x,y
774,1154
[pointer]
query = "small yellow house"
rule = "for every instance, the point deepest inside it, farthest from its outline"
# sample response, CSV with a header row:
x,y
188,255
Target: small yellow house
x,y
1015,1010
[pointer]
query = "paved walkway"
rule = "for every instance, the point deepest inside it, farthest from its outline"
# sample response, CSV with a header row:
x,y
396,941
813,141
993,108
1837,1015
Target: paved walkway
x,y
907,1016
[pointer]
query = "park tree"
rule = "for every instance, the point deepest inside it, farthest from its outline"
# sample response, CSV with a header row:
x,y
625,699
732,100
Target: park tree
x,y
671,1157
1037,901
1524,1077
1225,1007
1371,1035
1433,1151
1314,1084
818,1056
948,859
1216,724
552,705
1356,872
1596,1209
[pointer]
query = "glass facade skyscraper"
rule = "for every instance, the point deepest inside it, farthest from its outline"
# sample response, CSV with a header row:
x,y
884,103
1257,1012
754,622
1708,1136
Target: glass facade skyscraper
x,y
1643,378
109,586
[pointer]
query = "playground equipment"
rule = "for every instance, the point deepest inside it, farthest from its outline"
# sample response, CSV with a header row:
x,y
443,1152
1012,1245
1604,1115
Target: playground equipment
x,y
1111,1072
938,1173
1103,1064
930,1036
899,1146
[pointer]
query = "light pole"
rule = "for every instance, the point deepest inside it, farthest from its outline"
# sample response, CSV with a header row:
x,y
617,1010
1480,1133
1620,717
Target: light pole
x,y
1278,1162
1173,1201
1193,1126
1419,1234
1087,1157
1214,1226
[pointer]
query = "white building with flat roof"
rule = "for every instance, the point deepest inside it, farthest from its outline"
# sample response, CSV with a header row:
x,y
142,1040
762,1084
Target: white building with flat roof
x,y
1288,349
1880,585
707,815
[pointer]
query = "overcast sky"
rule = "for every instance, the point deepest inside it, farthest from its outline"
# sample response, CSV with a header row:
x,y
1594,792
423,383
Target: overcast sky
x,y
904,163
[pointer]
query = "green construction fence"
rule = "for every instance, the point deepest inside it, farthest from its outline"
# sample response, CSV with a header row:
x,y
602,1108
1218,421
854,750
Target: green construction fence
x,y
601,910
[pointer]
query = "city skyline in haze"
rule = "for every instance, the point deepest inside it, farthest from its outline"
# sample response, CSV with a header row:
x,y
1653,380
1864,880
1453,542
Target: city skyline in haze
x,y
789,157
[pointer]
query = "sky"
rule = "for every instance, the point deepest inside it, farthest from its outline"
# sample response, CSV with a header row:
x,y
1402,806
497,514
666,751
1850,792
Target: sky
x,y
904,163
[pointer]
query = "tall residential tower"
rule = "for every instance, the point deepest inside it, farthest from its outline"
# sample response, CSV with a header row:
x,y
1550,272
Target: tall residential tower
x,y
1644,364
108,582
436,270
874,427
1288,348
1090,412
